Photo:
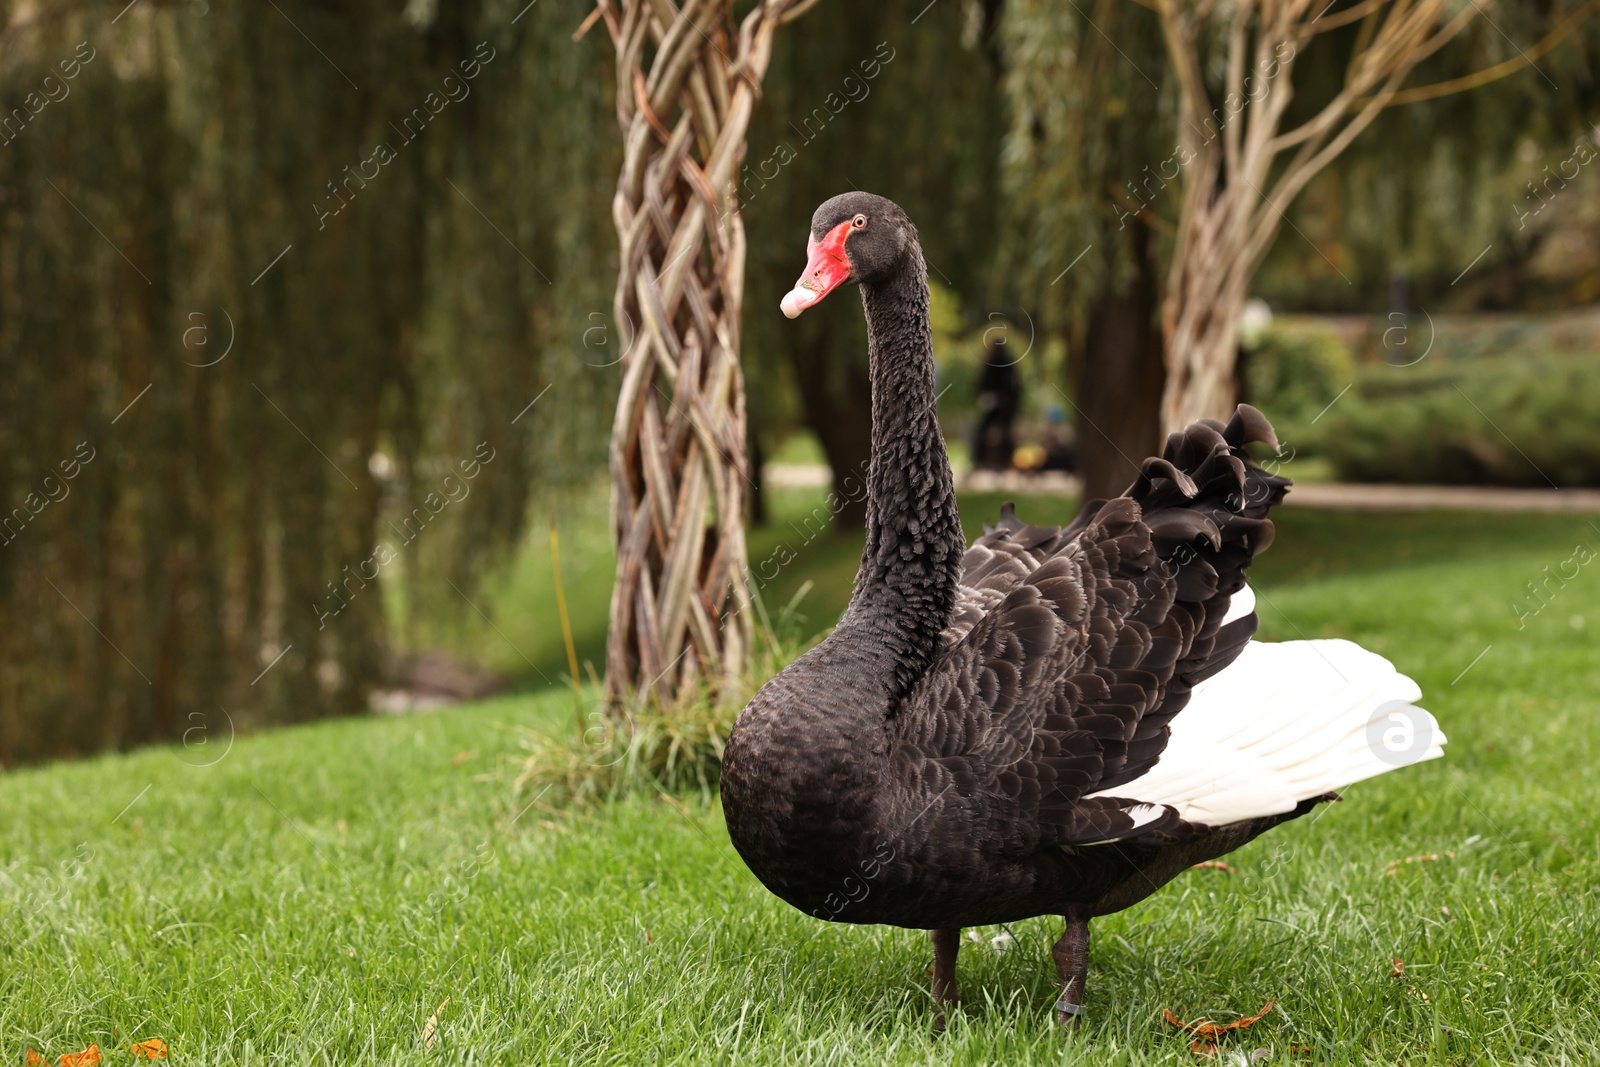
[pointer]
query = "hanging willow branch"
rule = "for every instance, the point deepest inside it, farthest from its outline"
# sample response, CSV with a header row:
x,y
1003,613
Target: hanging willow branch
x,y
687,83
1242,173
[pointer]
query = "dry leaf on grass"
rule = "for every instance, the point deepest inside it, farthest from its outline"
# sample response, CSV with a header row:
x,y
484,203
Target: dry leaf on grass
x,y
1215,865
1399,968
87,1058
36,1060
431,1031
461,757
1205,1030
1426,857
152,1049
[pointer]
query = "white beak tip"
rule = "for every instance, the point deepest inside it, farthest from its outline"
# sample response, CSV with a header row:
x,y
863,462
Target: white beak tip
x,y
795,301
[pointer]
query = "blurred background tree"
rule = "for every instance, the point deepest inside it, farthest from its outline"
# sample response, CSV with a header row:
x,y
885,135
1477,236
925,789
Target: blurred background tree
x,y
1086,123
217,168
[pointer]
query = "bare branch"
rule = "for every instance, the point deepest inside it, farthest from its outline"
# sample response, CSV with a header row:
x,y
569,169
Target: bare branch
x,y
1324,23
1500,70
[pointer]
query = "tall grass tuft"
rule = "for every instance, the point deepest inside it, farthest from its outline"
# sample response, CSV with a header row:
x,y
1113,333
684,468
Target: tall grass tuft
x,y
605,752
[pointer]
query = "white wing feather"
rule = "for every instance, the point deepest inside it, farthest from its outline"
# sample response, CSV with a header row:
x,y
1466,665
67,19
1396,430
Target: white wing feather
x,y
1286,722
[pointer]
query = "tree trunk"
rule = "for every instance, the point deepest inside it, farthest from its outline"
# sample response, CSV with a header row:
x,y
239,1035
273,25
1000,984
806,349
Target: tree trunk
x,y
1120,376
1234,187
679,606
1204,343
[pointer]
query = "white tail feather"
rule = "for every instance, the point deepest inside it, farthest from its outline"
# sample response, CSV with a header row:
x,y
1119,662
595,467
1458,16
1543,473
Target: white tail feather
x,y
1286,722
1242,603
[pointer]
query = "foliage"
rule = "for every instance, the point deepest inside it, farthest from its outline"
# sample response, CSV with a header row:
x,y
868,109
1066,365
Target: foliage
x,y
318,892
1434,183
1497,422
1087,133
1293,372
209,184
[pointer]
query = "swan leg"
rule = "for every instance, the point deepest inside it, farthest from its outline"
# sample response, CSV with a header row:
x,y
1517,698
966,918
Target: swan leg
x,y
1072,964
946,943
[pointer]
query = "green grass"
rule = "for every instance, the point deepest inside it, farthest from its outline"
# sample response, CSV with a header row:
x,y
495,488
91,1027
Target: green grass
x,y
315,894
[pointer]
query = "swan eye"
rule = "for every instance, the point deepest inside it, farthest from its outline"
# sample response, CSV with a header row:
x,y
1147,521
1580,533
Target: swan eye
x,y
859,222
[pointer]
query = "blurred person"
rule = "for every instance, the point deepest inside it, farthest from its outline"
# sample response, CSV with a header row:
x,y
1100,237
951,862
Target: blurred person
x,y
999,394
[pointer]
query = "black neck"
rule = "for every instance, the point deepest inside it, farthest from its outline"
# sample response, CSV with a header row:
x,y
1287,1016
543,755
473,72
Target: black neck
x,y
905,589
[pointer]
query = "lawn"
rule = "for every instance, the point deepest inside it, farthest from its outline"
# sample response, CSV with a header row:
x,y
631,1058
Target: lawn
x,y
314,895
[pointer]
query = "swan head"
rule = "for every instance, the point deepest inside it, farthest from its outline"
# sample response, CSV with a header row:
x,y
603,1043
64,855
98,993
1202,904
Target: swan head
x,y
855,237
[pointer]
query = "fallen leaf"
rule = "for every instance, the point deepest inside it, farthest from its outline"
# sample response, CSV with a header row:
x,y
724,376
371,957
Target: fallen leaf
x,y
1215,865
1205,1028
1427,857
430,1031
87,1058
1399,968
152,1049
36,1060
461,757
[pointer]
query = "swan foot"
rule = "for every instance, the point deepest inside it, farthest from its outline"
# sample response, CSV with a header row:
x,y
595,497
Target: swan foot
x,y
946,943
1072,965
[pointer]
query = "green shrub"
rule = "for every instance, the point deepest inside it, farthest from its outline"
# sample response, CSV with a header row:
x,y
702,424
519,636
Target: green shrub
x,y
1504,422
1294,371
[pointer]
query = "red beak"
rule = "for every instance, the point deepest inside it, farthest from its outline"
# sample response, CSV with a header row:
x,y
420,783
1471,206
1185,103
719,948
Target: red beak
x,y
827,267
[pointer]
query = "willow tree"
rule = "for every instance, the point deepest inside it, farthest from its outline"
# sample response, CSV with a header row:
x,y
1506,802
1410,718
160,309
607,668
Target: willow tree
x,y
1087,125
687,83
1238,168
1446,179
899,98
243,344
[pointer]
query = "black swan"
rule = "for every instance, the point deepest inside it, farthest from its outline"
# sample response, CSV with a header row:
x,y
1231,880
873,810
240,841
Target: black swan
x,y
1055,720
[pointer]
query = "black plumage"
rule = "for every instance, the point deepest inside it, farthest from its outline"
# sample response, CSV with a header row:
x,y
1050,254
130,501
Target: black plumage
x,y
929,764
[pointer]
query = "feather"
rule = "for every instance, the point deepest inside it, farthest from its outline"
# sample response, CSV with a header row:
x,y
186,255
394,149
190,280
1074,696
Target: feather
x,y
1282,724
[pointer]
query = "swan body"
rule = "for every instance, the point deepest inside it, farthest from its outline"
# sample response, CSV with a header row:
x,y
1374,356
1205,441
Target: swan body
x,y
1054,720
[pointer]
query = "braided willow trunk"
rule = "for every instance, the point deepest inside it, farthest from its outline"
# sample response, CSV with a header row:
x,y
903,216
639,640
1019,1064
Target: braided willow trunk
x,y
687,83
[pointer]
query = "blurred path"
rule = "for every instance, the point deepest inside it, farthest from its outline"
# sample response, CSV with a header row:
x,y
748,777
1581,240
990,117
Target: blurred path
x,y
1332,496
